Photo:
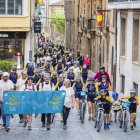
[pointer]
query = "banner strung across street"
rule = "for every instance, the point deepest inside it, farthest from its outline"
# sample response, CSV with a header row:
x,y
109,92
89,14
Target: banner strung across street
x,y
33,102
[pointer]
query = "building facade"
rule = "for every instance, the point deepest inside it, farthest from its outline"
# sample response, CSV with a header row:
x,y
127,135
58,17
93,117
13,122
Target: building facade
x,y
15,31
128,45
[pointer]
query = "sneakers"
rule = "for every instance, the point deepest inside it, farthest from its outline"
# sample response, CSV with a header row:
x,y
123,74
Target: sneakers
x,y
134,123
25,124
7,128
89,118
43,124
21,121
48,127
64,127
29,128
105,126
132,127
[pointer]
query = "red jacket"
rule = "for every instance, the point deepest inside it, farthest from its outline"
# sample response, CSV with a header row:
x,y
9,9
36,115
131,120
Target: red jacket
x,y
87,61
99,75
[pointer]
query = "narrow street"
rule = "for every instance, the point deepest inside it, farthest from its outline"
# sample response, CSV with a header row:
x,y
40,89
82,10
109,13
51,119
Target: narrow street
x,y
75,131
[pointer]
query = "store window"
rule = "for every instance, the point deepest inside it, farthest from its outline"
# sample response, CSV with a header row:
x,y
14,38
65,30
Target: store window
x,y
10,7
12,50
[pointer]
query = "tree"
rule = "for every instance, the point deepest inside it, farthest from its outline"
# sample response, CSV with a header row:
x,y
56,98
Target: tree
x,y
58,20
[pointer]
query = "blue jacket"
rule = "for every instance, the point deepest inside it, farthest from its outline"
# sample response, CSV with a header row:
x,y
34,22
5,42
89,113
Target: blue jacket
x,y
30,71
91,88
13,77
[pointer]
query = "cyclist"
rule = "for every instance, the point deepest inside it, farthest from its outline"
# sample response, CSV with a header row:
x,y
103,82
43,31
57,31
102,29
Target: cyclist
x,y
116,106
37,77
91,95
30,70
54,61
84,73
54,80
64,60
61,80
46,86
133,99
14,76
68,65
106,100
71,76
102,72
78,87
59,67
104,84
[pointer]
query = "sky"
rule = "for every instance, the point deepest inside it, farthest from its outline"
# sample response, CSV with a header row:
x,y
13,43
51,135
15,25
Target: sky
x,y
52,1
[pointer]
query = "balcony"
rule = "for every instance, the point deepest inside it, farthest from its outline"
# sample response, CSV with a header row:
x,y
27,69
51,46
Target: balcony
x,y
123,4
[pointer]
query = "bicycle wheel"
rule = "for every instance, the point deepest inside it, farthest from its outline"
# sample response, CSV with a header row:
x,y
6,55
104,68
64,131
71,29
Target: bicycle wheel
x,y
125,122
83,111
99,123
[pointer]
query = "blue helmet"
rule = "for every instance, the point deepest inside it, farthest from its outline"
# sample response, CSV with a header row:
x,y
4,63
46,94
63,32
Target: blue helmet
x,y
115,95
91,79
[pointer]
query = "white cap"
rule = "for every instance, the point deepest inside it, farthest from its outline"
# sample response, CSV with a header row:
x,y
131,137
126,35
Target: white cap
x,y
5,74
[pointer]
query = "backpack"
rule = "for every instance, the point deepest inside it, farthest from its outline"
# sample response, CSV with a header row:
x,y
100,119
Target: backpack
x,y
33,87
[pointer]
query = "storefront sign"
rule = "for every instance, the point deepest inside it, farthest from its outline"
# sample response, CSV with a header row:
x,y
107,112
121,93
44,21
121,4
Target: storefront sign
x,y
37,27
13,35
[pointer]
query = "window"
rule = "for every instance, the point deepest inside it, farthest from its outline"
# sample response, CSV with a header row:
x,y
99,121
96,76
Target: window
x,y
122,84
135,39
123,32
10,7
135,86
2,7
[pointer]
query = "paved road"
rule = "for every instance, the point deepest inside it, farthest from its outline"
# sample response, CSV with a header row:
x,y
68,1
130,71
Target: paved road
x,y
75,131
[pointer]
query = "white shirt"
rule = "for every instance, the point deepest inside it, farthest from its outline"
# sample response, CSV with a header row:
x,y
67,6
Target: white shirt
x,y
68,96
5,86
46,87
28,88
76,70
20,83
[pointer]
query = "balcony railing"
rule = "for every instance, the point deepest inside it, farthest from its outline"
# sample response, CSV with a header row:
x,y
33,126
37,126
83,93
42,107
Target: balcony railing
x,y
124,4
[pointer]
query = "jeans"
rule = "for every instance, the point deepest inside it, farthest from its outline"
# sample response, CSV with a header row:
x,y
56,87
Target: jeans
x,y
6,119
66,112
43,118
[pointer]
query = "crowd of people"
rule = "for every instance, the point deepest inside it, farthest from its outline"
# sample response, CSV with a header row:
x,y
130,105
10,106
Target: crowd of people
x,y
56,69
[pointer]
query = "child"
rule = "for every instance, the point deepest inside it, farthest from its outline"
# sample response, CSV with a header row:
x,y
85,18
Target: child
x,y
133,99
116,105
106,105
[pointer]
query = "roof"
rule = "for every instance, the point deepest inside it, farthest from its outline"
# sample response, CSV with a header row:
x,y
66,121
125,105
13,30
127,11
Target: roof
x,y
59,3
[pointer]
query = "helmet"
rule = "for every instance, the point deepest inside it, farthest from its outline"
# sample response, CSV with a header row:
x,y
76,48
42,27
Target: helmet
x,y
76,62
5,74
102,68
133,92
54,73
91,79
84,67
104,77
1,73
102,92
37,71
46,75
61,76
68,63
115,95
70,69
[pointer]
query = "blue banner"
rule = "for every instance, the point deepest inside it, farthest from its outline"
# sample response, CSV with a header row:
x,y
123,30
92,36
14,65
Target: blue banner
x,y
33,102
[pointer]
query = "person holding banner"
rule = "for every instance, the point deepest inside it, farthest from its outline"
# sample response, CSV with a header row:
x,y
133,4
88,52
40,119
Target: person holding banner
x,y
21,82
46,86
29,86
5,85
69,101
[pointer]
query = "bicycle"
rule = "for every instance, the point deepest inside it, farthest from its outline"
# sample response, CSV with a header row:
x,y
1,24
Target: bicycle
x,y
82,106
124,115
99,116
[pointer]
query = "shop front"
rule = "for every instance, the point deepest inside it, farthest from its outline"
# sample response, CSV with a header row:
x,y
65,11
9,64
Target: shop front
x,y
12,47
